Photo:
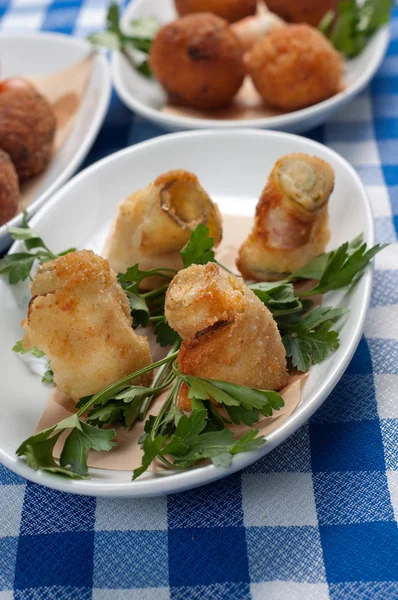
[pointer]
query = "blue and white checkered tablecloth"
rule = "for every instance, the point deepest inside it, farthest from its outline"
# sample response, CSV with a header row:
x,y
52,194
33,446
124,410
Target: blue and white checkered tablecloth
x,y
316,519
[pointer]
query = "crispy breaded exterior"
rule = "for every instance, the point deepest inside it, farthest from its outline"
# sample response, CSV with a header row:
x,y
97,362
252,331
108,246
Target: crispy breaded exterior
x,y
80,317
291,222
154,224
231,10
294,66
198,61
302,11
227,332
27,127
9,189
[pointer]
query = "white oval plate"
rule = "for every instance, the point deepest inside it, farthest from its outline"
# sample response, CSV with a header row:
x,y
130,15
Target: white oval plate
x,y
233,167
146,97
44,54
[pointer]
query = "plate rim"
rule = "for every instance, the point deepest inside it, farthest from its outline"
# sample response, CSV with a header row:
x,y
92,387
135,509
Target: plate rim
x,y
208,473
276,122
89,139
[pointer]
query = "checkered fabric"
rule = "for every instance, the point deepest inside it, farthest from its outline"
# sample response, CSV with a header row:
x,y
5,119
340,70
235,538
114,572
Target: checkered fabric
x,y
315,519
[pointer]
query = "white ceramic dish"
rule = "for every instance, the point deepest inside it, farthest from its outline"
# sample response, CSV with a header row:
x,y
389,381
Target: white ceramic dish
x,y
233,167
44,54
146,97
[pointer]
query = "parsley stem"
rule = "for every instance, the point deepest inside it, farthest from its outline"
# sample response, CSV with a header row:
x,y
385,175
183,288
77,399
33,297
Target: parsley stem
x,y
165,406
163,374
118,385
156,292
226,268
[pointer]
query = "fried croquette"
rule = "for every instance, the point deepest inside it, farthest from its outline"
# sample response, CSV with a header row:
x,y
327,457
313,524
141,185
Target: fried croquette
x,y
294,66
27,127
302,11
231,10
155,223
80,317
198,61
291,222
9,189
228,333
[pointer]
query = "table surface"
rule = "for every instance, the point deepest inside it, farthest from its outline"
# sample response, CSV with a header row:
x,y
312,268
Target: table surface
x,y
316,518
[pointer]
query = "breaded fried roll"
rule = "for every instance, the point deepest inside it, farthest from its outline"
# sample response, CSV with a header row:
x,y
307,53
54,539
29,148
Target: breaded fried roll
x,y
291,222
227,332
155,223
80,317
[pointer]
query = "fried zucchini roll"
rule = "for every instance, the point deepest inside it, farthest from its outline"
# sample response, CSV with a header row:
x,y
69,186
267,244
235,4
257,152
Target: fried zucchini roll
x,y
227,332
80,317
291,222
155,223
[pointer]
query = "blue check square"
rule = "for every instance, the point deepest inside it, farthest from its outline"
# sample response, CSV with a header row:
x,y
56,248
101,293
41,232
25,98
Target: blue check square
x,y
360,552
63,559
358,497
130,559
207,556
49,511
215,505
214,591
354,446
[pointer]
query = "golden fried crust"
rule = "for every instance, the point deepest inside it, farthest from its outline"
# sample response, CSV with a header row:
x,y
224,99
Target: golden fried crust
x,y
291,222
27,127
231,10
302,11
198,61
155,223
227,331
294,66
9,189
80,317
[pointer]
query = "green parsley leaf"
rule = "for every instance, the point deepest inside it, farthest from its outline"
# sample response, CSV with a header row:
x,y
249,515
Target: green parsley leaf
x,y
136,275
355,24
311,347
48,377
252,440
198,250
146,27
20,349
165,335
344,268
151,448
279,298
81,439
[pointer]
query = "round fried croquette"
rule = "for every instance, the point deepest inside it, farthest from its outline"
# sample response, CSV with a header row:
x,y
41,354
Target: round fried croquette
x,y
231,10
9,189
294,67
198,61
302,11
27,127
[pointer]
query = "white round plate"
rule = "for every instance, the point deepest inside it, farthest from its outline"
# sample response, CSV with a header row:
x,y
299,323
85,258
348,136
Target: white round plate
x,y
147,98
44,54
233,167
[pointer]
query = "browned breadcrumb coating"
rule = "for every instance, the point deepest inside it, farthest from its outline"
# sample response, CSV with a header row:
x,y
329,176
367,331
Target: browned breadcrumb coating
x,y
154,224
198,61
27,127
302,11
294,66
291,222
231,10
9,189
227,332
80,317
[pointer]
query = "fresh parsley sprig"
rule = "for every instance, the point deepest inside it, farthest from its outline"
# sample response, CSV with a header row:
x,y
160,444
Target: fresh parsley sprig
x,y
142,33
19,348
355,23
180,440
309,338
19,265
